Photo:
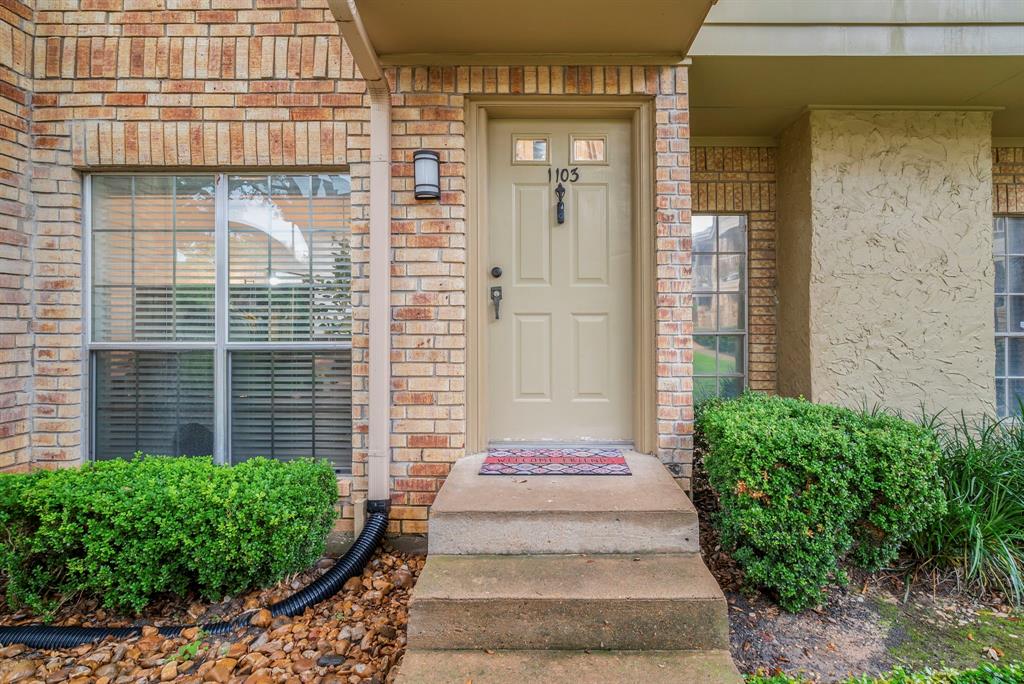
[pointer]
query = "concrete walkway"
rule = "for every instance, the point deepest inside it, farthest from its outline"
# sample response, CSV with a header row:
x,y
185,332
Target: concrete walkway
x,y
566,578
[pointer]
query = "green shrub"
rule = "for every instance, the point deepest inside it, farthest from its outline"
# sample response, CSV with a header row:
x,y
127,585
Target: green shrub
x,y
986,674
803,485
981,535
129,531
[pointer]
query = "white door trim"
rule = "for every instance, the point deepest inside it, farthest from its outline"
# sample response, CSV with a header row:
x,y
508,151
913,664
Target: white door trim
x,y
640,111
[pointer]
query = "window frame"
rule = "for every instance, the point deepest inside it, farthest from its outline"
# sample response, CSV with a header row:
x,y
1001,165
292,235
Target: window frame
x,y
744,333
1006,335
220,346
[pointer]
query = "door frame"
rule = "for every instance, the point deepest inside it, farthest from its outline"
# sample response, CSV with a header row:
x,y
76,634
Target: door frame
x,y
640,112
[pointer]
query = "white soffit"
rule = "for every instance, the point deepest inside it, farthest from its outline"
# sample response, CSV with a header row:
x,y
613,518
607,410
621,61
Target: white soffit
x,y
745,96
532,31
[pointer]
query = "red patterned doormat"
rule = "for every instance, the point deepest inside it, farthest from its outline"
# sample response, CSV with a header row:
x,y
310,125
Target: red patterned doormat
x,y
542,461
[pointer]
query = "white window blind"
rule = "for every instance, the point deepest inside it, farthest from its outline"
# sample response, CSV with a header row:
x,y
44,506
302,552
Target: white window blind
x,y
292,404
154,402
284,347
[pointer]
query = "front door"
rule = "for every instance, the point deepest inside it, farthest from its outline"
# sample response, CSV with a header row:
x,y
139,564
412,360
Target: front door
x,y
560,331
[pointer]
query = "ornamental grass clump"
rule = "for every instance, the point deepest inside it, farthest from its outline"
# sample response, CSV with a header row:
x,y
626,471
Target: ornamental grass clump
x,y
129,531
804,485
981,535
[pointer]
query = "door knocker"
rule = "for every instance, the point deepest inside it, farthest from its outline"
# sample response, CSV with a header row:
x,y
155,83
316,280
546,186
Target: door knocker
x,y
560,207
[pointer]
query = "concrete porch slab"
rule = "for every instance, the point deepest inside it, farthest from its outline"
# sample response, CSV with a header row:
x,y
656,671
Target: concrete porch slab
x,y
646,512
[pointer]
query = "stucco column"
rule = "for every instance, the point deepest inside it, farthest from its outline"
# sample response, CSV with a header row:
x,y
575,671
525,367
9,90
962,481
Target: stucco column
x,y
885,259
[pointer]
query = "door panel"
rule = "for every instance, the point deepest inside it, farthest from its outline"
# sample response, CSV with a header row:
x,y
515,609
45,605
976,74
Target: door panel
x,y
532,234
560,355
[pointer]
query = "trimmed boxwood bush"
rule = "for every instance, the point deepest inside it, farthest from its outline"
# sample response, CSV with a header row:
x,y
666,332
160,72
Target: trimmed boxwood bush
x,y
803,485
127,532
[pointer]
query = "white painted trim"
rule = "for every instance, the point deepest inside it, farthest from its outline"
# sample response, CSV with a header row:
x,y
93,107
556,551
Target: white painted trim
x,y
379,332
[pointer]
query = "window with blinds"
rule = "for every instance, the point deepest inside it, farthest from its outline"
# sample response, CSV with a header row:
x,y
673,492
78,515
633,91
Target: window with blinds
x,y
279,330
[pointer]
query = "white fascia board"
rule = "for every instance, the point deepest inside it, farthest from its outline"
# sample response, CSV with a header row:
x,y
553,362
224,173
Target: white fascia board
x,y
859,41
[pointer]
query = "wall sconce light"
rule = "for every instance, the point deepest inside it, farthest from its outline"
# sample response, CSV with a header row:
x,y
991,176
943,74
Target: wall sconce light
x,y
427,169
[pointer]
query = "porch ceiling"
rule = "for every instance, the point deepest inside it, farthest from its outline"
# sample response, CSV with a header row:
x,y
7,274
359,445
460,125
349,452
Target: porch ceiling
x,y
759,96
531,31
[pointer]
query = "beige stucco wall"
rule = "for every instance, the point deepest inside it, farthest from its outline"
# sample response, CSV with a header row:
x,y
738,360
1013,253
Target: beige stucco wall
x,y
794,259
900,262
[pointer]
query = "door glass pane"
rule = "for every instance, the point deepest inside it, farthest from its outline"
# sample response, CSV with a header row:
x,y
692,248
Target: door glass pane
x,y
1015,396
1001,315
1016,319
292,404
589,150
527,149
1000,356
289,258
1015,353
158,403
1000,276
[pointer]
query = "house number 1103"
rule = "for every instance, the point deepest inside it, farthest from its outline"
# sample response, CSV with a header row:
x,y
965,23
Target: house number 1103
x,y
564,175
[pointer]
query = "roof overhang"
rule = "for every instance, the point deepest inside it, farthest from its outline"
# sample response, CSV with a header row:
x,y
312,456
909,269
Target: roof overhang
x,y
759,96
532,31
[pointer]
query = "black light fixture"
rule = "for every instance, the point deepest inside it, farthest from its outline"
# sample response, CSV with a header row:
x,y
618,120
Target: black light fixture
x,y
427,169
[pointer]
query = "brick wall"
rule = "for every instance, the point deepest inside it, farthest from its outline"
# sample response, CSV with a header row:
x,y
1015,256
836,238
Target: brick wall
x,y
159,84
16,228
1008,180
429,262
741,180
165,84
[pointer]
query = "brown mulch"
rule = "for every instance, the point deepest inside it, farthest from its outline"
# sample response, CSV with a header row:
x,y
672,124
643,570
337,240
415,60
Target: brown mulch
x,y
355,637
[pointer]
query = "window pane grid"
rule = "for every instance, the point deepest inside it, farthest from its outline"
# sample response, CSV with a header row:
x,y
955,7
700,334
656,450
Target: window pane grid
x,y
719,305
1008,259
154,270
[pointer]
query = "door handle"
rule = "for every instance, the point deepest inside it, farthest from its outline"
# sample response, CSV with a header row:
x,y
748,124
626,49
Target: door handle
x,y
496,298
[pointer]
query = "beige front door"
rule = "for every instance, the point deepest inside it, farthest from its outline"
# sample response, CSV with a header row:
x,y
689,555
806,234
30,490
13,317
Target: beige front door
x,y
561,345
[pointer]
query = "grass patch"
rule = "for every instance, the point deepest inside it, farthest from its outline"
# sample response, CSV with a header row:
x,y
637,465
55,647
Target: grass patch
x,y
925,637
986,674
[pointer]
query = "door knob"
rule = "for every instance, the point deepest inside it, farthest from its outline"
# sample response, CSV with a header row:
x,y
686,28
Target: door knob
x,y
496,272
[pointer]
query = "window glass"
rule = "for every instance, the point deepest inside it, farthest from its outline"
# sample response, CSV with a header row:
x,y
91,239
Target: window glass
x,y
719,306
158,403
1008,256
152,258
289,261
285,348
292,404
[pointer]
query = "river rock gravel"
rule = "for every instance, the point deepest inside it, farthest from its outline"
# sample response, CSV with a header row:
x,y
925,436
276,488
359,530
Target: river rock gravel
x,y
355,637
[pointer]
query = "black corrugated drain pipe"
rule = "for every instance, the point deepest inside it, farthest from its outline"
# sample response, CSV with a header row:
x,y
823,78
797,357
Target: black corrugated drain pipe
x,y
328,584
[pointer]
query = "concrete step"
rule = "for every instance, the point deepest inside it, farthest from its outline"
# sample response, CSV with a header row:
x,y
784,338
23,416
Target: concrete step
x,y
645,512
625,602
594,667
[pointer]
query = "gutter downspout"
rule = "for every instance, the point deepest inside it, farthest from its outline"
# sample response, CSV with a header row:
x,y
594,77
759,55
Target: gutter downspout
x,y
379,419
